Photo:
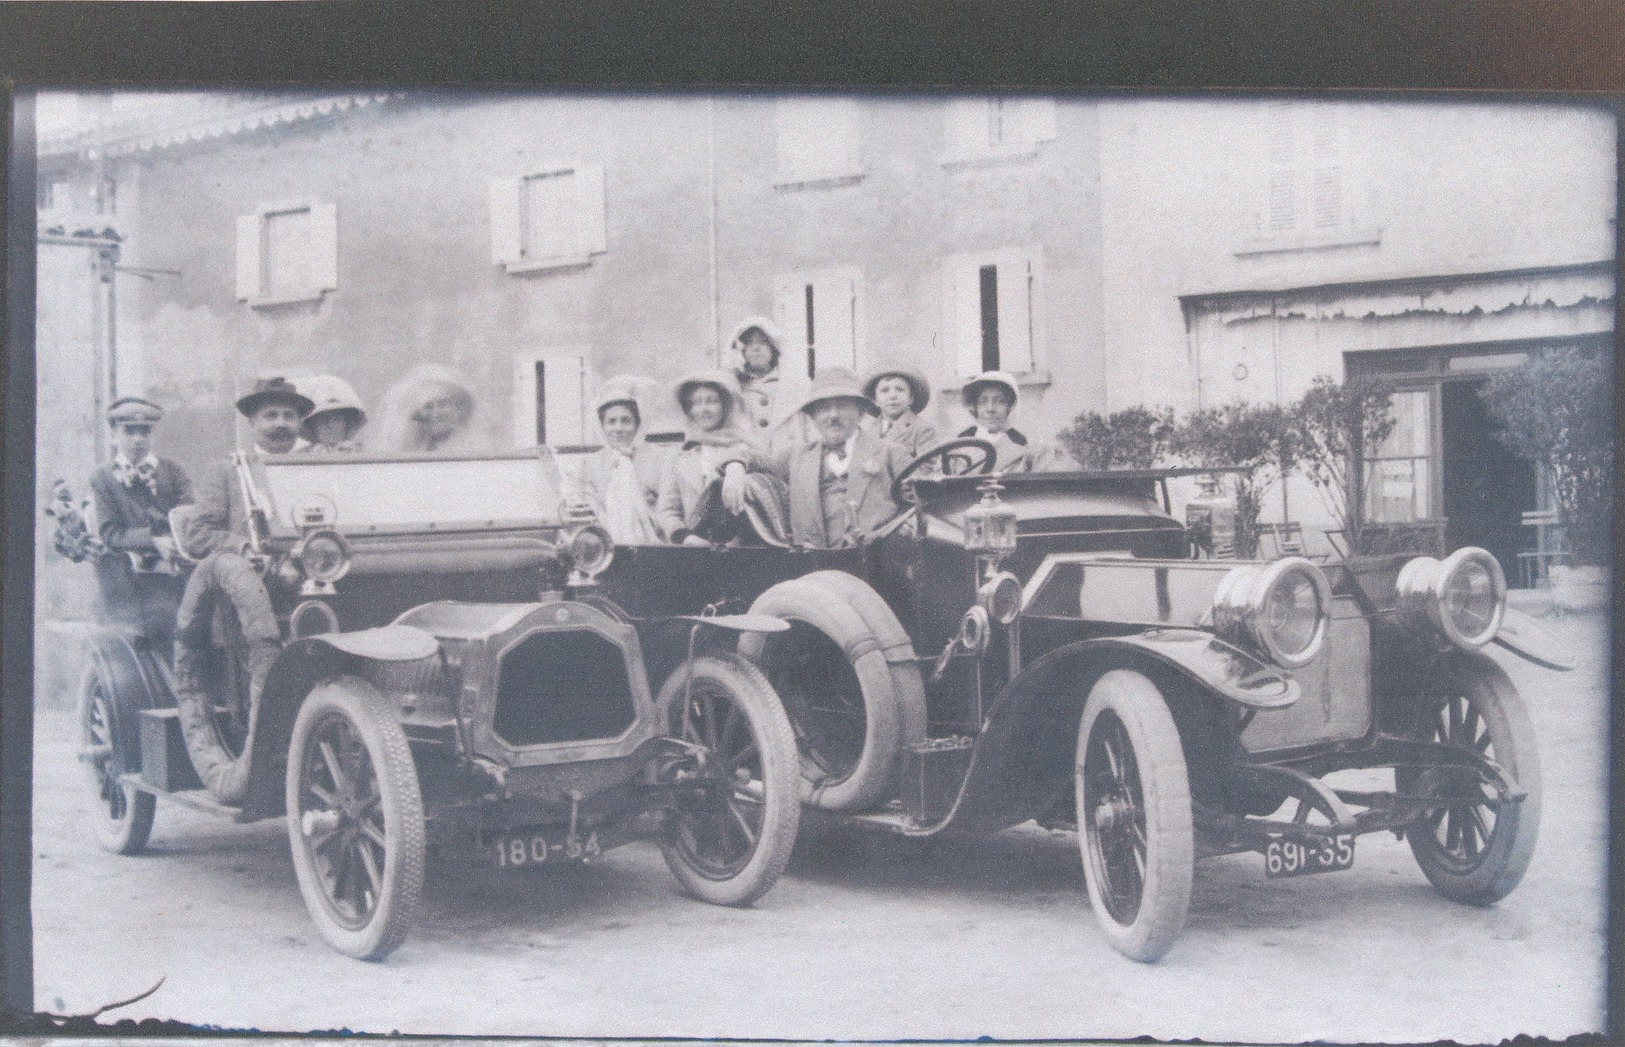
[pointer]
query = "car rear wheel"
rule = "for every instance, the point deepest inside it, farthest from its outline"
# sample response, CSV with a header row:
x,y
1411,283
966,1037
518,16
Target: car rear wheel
x,y
736,806
121,815
1134,815
1477,850
355,818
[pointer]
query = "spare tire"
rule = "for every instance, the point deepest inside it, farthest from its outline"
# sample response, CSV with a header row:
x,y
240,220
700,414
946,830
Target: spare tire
x,y
830,671
223,768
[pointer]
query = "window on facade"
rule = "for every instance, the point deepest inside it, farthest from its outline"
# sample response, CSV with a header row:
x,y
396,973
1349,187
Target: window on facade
x,y
1398,487
821,314
551,400
988,311
287,253
818,142
997,128
549,219
1308,197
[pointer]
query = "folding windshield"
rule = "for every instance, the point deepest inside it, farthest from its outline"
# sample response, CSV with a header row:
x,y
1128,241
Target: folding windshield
x,y
362,495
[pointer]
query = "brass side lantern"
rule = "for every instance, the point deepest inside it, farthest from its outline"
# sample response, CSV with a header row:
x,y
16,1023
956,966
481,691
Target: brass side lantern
x,y
990,525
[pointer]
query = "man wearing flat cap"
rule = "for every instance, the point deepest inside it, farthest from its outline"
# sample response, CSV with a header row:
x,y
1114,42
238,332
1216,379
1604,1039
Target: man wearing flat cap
x,y
134,494
275,410
840,483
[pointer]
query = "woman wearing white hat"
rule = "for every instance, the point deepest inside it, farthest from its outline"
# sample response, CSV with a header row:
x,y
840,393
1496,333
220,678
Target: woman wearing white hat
x,y
991,397
336,421
431,409
714,446
621,480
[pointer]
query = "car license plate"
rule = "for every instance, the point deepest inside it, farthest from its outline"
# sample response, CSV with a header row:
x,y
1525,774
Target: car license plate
x,y
519,849
1289,858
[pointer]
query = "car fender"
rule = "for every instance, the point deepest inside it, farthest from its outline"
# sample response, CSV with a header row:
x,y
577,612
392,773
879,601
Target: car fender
x,y
298,668
1528,639
1022,760
135,680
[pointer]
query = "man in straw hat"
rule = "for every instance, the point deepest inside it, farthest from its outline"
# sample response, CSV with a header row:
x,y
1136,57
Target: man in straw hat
x,y
840,484
134,494
901,393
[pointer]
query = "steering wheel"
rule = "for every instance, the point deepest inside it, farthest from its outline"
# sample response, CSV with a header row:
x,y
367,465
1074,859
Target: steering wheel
x,y
953,464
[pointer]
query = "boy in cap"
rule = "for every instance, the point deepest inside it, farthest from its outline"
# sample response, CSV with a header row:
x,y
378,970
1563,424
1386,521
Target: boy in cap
x,y
901,393
841,482
134,494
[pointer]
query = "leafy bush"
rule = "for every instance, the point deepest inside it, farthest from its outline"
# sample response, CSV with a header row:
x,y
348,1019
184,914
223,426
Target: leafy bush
x,y
1336,425
1264,440
1133,438
1558,409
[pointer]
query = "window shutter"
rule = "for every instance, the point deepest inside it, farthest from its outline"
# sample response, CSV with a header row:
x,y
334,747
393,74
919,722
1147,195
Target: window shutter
x,y
506,224
248,257
324,247
790,313
564,398
834,320
594,227
1030,119
962,314
817,138
968,125
1015,314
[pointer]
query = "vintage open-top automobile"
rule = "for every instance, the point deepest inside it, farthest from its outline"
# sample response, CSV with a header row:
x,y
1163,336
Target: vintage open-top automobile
x,y
1043,646
409,651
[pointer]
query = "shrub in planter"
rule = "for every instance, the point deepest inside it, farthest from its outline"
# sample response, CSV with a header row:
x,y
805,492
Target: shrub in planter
x,y
1558,409
1336,425
1262,439
1133,438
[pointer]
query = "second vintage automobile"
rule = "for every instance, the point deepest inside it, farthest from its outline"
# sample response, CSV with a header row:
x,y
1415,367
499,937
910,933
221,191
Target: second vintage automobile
x,y
1043,646
413,651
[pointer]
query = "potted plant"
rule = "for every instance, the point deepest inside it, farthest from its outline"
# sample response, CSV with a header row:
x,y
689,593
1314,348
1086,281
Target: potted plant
x,y
1133,438
1557,410
1336,423
1263,440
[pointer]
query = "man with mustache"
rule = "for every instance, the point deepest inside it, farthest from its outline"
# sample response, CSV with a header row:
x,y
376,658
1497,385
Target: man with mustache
x,y
275,410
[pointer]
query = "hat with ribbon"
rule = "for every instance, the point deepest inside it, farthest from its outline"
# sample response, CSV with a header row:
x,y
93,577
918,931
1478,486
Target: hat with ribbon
x,y
836,383
919,390
274,390
331,395
990,379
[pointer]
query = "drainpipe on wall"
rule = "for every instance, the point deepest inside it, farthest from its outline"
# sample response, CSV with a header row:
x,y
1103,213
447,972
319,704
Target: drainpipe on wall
x,y
716,291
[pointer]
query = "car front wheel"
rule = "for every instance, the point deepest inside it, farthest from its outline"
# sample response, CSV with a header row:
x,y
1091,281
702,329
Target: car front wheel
x,y
1134,815
1476,850
355,818
736,800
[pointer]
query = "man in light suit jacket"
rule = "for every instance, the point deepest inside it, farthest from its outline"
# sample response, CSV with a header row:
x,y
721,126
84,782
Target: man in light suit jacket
x,y
840,484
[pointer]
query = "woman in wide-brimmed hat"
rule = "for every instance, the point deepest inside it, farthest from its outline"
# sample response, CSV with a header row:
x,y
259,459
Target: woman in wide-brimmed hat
x,y
901,393
337,417
621,480
990,397
431,409
714,448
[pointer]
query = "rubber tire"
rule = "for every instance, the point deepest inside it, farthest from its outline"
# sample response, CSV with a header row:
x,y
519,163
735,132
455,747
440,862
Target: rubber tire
x,y
870,782
1512,746
1153,738
781,788
125,833
895,645
373,715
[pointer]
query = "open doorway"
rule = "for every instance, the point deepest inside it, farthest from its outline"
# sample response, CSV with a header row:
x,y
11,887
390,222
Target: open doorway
x,y
1486,489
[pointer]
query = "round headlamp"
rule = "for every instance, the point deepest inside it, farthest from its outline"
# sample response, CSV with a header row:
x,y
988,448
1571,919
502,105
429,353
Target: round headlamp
x,y
1463,597
1280,609
591,550
323,555
1001,596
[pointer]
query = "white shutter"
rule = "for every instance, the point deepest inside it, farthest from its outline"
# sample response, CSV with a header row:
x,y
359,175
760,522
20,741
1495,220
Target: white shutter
x,y
248,257
506,223
564,399
1015,313
594,227
1030,120
967,125
790,313
962,313
324,247
833,317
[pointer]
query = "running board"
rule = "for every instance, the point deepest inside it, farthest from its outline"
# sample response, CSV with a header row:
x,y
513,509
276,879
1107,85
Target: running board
x,y
196,799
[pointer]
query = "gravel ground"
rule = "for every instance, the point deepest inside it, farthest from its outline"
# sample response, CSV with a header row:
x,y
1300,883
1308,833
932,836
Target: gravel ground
x,y
866,937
